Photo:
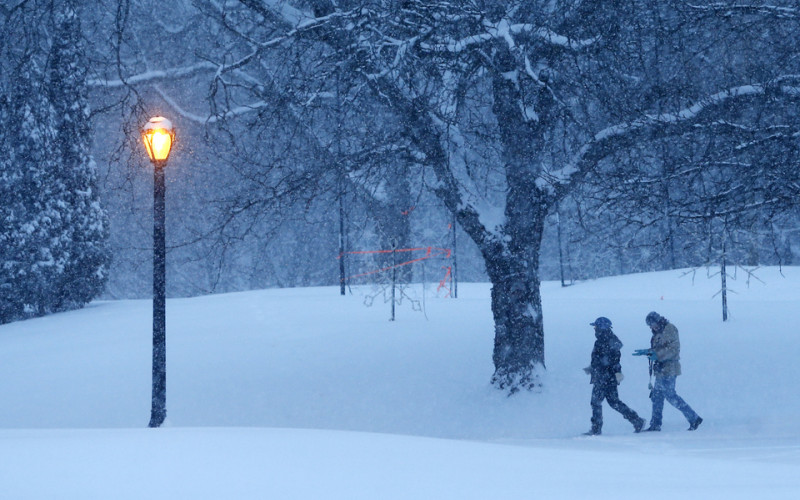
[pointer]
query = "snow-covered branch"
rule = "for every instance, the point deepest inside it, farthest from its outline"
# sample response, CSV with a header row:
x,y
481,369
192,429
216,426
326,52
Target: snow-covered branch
x,y
402,48
155,76
606,140
729,10
294,19
239,110
506,31
686,214
278,11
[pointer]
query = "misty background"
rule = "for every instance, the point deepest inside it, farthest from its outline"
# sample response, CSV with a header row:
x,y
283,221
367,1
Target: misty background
x,y
532,140
227,230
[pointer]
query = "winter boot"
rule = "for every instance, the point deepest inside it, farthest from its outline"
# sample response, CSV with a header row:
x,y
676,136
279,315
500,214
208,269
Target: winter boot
x,y
638,424
694,425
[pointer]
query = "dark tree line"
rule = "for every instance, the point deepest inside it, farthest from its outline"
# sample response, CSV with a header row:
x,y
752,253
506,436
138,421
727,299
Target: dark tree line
x,y
53,253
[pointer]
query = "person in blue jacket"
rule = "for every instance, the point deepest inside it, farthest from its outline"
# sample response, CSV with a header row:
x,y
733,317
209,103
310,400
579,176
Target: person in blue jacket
x,y
606,374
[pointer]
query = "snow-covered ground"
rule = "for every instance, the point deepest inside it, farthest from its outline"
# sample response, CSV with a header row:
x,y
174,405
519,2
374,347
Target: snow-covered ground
x,y
302,393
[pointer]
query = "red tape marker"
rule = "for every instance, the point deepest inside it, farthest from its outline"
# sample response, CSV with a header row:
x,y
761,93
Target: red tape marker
x,y
443,281
430,252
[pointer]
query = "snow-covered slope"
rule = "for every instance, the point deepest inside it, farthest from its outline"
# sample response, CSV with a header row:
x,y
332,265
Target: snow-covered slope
x,y
302,393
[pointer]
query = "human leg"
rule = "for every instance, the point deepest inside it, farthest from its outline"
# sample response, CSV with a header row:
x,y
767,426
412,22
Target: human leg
x,y
612,396
672,398
598,394
657,395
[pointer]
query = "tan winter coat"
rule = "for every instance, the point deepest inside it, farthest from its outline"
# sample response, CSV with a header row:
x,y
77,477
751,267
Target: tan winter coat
x,y
667,347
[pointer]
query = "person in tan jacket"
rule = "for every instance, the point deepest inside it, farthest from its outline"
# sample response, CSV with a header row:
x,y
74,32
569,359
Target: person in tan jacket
x,y
664,354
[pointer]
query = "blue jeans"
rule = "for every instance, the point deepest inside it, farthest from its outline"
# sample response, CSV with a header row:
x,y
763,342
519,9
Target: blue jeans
x,y
608,392
665,389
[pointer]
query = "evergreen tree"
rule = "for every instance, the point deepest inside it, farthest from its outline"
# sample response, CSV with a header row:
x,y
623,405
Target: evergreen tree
x,y
53,253
32,250
85,272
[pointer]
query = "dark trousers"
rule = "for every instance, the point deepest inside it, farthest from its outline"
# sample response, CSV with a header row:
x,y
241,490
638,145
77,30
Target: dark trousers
x,y
664,388
608,392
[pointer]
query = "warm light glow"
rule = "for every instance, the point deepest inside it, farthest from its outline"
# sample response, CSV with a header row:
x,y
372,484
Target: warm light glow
x,y
158,144
158,136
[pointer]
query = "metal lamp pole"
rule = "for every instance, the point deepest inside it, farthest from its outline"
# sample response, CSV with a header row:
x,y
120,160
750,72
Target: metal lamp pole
x,y
158,135
158,411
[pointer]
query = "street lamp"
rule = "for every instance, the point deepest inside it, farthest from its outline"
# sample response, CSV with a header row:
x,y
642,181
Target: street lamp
x,y
158,135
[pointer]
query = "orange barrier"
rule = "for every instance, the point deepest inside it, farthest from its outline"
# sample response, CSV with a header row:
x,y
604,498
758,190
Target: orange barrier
x,y
430,252
442,283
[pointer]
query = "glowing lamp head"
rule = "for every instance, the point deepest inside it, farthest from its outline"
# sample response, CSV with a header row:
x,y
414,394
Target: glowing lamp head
x,y
158,135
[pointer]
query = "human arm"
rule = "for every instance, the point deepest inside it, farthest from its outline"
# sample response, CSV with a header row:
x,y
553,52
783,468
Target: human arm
x,y
667,345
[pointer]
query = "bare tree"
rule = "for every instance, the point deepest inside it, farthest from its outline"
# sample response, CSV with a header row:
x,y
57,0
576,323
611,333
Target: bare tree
x,y
510,106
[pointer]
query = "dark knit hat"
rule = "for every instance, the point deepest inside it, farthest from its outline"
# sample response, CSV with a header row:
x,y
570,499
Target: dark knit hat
x,y
653,318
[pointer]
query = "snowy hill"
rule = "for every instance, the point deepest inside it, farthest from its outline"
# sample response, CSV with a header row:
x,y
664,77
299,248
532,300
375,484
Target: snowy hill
x,y
302,393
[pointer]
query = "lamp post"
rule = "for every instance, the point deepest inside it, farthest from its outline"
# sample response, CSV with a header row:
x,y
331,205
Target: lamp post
x,y
158,135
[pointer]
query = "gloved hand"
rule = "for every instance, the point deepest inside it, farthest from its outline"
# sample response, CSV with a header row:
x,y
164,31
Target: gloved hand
x,y
652,356
588,370
642,352
619,377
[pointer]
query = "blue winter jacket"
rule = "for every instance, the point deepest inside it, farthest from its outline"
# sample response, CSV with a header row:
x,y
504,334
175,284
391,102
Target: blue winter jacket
x,y
605,358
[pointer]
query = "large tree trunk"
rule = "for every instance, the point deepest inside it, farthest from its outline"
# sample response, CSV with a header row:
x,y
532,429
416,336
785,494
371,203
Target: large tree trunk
x,y
516,298
510,252
519,333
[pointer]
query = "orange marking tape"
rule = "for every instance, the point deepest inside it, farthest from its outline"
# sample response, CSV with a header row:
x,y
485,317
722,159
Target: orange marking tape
x,y
430,252
442,283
